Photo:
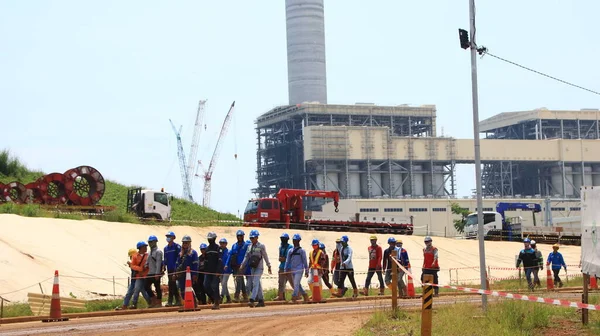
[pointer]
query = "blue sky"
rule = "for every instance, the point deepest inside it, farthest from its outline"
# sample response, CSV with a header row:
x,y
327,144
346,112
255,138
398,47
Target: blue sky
x,y
95,83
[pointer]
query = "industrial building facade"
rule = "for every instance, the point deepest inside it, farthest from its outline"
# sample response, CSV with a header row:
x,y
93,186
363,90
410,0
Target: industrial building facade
x,y
369,151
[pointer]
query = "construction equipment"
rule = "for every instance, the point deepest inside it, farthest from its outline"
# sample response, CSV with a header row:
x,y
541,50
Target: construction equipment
x,y
185,180
81,186
191,167
149,204
288,207
213,162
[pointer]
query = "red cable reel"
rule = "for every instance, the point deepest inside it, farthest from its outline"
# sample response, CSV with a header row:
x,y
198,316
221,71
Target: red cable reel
x,y
34,194
52,189
84,185
15,192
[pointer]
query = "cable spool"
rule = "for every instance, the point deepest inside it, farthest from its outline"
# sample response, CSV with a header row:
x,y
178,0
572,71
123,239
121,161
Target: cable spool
x,y
52,189
34,194
15,192
2,192
84,185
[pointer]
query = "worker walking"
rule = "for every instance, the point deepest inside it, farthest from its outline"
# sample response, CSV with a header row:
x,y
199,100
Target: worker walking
x,y
212,269
188,257
540,264
283,277
155,272
198,286
138,264
234,259
335,262
297,264
256,256
529,260
346,269
316,262
556,259
131,253
402,256
430,263
171,253
387,262
225,274
326,268
375,256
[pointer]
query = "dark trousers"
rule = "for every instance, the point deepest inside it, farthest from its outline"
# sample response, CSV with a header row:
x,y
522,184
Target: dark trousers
x,y
436,289
370,276
199,289
336,276
211,286
556,277
326,279
347,273
240,285
173,291
154,280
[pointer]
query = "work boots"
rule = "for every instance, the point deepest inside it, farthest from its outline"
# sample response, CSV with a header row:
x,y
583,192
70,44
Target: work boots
x,y
382,291
261,303
365,291
280,297
244,297
355,295
305,297
215,306
236,298
228,299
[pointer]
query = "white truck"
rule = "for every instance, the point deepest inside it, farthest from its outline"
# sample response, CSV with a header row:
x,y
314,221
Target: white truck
x,y
149,204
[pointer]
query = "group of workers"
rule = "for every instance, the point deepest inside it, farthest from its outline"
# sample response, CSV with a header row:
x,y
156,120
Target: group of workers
x,y
533,261
216,263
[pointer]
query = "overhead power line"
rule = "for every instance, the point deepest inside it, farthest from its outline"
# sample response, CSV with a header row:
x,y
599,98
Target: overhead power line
x,y
484,51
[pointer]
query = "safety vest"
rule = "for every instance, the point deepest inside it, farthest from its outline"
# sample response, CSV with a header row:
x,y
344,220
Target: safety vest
x,y
428,256
314,260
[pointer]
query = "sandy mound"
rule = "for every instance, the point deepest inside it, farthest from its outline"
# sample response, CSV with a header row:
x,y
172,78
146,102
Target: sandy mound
x,y
88,254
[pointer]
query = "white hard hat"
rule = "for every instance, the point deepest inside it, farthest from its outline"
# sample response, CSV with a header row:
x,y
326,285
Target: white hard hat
x,y
533,242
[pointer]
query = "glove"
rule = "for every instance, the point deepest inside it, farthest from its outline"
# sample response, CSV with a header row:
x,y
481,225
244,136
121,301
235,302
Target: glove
x,y
270,270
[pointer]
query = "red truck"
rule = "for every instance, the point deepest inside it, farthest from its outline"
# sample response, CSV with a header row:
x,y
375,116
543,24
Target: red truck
x,y
286,210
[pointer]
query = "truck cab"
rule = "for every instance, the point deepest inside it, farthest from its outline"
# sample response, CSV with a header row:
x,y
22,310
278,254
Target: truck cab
x,y
263,210
491,221
149,203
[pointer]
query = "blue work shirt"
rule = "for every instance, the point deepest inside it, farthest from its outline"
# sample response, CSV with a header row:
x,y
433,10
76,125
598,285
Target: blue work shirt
x,y
556,259
402,256
170,256
296,260
191,260
283,252
236,255
225,256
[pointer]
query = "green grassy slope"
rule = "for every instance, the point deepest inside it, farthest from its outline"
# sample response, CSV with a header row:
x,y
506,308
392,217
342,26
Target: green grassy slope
x,y
11,169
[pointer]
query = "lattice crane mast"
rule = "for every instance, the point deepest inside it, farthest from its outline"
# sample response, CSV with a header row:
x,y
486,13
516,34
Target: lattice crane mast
x,y
185,180
191,167
213,162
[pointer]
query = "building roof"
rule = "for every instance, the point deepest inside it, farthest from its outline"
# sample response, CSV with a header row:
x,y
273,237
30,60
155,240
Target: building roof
x,y
280,113
512,118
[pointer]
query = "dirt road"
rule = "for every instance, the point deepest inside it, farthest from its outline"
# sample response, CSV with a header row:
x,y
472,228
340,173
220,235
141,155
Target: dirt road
x,y
341,318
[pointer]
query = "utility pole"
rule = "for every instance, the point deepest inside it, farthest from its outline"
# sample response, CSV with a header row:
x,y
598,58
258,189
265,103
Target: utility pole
x,y
468,41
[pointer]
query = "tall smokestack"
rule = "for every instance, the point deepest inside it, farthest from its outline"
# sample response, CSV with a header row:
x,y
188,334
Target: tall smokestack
x,y
305,24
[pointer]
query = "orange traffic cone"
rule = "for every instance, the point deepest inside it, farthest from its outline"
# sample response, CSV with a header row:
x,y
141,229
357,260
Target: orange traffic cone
x,y
410,287
55,311
316,287
188,302
549,280
593,282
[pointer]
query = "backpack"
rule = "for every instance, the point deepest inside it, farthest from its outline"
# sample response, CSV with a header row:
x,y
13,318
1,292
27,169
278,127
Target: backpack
x,y
254,259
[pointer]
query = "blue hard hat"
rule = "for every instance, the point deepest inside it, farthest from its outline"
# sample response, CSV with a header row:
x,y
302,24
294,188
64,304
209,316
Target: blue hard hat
x,y
170,233
240,233
254,234
285,235
297,237
203,246
391,240
223,240
141,244
315,242
322,246
248,241
345,239
152,238
526,240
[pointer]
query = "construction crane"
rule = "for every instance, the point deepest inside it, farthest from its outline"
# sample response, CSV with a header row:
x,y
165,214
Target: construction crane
x,y
191,167
213,162
185,180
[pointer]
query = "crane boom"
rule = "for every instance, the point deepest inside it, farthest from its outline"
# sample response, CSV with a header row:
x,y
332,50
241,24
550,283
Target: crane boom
x,y
213,161
195,141
182,165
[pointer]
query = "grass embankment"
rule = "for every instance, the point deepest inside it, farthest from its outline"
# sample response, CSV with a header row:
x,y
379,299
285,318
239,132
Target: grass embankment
x,y
183,212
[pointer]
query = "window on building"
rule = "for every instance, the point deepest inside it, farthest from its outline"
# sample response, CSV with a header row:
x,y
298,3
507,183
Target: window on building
x,y
369,210
557,209
392,209
161,198
575,209
417,209
438,209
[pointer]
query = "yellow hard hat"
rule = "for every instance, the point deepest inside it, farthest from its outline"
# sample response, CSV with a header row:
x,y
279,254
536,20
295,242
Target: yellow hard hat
x,y
339,240
399,241
373,237
131,252
555,246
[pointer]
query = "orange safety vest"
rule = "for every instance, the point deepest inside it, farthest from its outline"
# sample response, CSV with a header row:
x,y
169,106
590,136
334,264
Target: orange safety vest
x,y
428,256
314,260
